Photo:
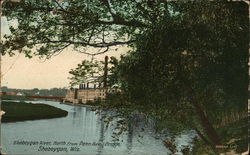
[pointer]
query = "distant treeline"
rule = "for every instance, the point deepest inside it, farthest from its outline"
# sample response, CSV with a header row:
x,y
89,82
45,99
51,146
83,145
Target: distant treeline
x,y
60,92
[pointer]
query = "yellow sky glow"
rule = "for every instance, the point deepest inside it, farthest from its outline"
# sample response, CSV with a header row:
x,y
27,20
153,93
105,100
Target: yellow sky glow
x,y
24,73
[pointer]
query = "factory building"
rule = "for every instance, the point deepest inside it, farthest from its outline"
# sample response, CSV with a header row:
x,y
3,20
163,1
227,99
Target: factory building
x,y
86,93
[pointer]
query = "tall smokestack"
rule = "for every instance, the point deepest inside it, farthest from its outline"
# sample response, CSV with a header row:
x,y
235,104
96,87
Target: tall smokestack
x,y
105,72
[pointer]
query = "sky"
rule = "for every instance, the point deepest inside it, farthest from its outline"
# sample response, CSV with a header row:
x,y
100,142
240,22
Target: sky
x,y
24,73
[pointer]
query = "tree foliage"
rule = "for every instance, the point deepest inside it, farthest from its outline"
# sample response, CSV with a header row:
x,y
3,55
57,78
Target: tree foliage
x,y
93,72
86,72
189,71
51,26
206,54
188,65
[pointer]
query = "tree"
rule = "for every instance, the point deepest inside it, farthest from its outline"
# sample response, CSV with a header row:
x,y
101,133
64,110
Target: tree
x,y
51,26
193,68
93,72
188,58
196,80
87,71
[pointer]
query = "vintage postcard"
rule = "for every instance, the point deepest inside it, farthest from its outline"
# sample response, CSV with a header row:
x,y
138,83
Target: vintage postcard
x,y
116,77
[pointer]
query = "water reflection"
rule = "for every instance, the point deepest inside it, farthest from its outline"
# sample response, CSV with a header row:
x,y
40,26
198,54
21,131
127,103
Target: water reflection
x,y
130,137
101,139
84,125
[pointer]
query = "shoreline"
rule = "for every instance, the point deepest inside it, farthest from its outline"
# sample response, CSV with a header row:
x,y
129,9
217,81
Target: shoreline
x,y
23,111
81,105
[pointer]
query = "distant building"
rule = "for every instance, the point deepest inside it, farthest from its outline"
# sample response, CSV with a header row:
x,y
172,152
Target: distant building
x,y
85,93
20,94
89,94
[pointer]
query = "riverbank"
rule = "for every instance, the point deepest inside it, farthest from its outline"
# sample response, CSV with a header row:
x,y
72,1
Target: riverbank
x,y
21,111
81,105
233,136
81,125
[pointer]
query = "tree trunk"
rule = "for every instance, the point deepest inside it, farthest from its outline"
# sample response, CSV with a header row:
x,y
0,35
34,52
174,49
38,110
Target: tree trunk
x,y
207,126
205,123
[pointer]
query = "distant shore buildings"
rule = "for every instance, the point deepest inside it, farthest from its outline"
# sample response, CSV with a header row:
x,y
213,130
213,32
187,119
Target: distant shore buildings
x,y
77,96
86,93
10,93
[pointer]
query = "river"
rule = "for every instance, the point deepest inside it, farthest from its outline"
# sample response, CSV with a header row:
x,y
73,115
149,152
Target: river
x,y
80,132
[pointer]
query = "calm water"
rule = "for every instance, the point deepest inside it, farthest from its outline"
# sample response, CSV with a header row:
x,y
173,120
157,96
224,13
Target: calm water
x,y
80,126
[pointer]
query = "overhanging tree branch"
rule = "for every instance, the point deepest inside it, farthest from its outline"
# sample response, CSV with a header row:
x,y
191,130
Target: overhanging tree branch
x,y
100,45
55,24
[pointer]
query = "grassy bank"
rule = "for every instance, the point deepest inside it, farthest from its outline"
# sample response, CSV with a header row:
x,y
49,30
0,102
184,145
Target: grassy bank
x,y
233,135
20,111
